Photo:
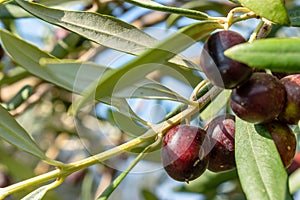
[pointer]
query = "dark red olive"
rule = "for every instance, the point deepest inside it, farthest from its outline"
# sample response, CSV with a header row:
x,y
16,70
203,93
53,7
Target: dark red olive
x,y
219,69
284,139
184,155
221,131
258,100
291,110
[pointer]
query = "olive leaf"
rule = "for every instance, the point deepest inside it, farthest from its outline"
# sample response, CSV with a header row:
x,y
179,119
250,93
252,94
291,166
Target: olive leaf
x,y
113,82
16,135
259,166
273,10
102,29
276,54
153,59
39,193
156,6
200,5
12,11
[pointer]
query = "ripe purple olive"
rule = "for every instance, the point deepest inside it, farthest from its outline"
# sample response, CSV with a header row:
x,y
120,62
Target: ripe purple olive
x,y
184,154
221,131
291,110
258,100
284,139
219,69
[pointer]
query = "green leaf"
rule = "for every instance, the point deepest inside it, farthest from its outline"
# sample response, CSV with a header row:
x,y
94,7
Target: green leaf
x,y
276,54
126,124
259,166
149,89
12,11
24,53
273,10
136,70
37,194
200,5
124,108
103,29
14,165
156,6
71,75
152,59
16,135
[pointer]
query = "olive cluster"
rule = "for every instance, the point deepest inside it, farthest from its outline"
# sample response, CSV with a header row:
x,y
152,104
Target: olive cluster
x,y
256,97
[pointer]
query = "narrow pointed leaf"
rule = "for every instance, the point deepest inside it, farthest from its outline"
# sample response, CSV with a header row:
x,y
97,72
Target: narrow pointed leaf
x,y
149,89
12,11
156,6
276,54
77,77
113,82
259,166
39,193
102,29
126,124
71,75
153,59
16,135
200,5
273,10
123,107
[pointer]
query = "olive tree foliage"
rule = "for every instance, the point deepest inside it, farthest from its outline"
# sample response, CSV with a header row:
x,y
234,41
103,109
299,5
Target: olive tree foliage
x,y
57,94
